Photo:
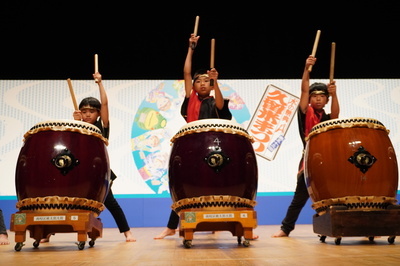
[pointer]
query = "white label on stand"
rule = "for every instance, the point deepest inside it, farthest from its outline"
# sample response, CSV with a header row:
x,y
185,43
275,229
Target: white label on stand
x,y
49,218
218,215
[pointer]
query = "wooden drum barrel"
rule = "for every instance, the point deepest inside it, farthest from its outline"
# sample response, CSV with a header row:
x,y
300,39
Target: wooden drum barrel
x,y
351,162
212,165
62,165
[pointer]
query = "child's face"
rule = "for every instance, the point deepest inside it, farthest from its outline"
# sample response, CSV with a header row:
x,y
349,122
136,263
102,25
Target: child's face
x,y
90,115
318,101
202,86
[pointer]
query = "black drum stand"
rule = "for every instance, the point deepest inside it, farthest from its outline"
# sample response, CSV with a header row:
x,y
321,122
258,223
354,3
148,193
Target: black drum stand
x,y
339,221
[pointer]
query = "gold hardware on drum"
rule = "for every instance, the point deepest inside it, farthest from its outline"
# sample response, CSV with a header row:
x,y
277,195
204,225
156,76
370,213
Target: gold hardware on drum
x,y
65,161
362,159
216,160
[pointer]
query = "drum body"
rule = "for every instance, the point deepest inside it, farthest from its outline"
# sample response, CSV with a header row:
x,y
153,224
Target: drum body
x,y
212,157
350,157
67,159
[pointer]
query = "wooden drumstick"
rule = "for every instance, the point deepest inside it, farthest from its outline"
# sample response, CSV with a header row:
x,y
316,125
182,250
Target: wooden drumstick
x,y
314,50
96,65
71,90
212,56
332,70
196,26
212,53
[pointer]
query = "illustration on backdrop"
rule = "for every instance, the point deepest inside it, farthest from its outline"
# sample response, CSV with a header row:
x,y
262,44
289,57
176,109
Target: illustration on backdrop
x,y
158,119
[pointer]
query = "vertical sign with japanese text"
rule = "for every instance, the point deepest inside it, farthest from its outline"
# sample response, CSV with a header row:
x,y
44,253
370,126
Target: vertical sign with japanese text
x,y
271,120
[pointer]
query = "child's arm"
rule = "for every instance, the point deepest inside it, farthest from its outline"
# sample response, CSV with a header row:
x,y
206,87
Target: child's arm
x,y
104,115
187,68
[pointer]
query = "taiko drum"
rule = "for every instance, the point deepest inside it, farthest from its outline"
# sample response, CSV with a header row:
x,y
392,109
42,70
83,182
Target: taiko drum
x,y
66,159
350,157
212,157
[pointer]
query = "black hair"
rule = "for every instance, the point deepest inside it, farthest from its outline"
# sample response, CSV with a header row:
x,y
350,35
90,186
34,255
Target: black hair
x,y
91,102
319,86
199,72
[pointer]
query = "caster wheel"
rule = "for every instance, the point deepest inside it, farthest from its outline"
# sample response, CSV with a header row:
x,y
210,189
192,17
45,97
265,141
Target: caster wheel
x,y
391,239
81,245
36,243
246,243
322,239
337,240
239,240
18,246
371,238
91,243
187,243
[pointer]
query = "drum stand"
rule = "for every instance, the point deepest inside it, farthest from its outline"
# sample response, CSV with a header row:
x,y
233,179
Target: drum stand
x,y
41,224
239,222
338,221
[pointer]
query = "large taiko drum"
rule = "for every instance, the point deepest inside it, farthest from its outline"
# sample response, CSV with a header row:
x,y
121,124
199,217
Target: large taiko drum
x,y
212,164
351,162
63,165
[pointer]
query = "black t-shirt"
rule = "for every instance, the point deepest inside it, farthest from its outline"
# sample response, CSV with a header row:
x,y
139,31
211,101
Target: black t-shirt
x,y
302,121
208,110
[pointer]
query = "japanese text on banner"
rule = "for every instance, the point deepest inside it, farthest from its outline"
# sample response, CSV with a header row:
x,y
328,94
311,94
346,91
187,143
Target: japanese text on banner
x,y
271,120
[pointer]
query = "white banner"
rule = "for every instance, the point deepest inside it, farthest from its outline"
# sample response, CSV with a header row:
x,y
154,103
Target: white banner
x,y
271,120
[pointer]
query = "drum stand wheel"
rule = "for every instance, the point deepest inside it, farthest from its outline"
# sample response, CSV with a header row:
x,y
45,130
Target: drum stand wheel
x,y
246,242
187,243
337,239
239,222
41,224
339,222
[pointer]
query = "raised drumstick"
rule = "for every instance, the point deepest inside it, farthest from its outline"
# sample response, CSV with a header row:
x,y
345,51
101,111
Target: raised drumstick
x,y
212,57
196,26
332,69
71,90
96,65
314,50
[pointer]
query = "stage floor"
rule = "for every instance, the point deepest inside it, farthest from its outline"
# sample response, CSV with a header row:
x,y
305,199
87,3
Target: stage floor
x,y
220,248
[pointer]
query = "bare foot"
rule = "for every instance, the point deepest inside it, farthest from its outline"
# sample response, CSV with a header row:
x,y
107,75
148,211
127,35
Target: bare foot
x,y
129,237
4,239
280,233
255,237
45,240
166,232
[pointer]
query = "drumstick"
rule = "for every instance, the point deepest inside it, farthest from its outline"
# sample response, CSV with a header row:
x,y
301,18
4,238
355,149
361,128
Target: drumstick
x,y
212,53
71,90
196,26
314,50
212,56
96,65
333,48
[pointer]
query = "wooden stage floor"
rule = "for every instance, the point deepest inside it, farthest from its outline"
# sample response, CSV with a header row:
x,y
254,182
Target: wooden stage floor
x,y
220,248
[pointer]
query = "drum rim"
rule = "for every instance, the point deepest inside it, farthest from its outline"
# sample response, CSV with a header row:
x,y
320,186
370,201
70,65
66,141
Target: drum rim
x,y
352,122
66,125
216,125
